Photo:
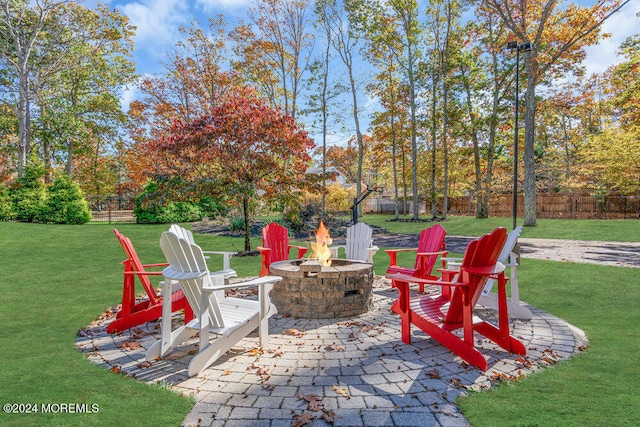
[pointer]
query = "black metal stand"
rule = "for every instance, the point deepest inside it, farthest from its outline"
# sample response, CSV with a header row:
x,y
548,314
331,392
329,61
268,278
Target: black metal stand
x,y
360,199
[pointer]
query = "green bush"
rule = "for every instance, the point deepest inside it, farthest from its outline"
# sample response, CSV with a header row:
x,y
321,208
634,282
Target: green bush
x,y
153,207
65,203
6,205
182,212
236,223
29,195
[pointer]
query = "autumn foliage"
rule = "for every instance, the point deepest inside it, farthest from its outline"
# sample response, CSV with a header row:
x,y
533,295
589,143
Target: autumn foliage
x,y
241,149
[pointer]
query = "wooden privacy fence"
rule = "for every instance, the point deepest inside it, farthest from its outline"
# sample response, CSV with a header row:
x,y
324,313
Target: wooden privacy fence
x,y
569,206
113,209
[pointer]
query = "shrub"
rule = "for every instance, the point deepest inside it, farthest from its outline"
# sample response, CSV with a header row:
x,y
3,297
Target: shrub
x,y
6,205
182,212
339,198
65,203
30,194
236,223
153,207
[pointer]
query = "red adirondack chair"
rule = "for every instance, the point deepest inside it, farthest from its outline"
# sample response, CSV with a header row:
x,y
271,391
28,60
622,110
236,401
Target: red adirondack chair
x,y
275,246
133,314
430,246
438,316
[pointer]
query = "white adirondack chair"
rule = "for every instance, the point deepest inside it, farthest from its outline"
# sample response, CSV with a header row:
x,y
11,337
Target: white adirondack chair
x,y
509,259
230,319
359,244
188,236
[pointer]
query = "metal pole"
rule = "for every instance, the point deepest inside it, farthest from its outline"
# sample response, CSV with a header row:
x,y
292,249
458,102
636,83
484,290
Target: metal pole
x,y
515,144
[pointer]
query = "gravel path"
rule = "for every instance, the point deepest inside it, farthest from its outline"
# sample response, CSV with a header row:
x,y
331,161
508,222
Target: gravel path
x,y
619,254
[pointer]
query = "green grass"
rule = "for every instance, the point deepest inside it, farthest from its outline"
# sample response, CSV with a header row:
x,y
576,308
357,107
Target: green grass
x,y
56,279
623,230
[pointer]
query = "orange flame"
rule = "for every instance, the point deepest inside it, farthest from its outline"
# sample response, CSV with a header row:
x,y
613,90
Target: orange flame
x,y
320,248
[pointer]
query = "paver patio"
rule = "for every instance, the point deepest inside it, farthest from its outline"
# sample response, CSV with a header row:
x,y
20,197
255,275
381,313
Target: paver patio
x,y
353,372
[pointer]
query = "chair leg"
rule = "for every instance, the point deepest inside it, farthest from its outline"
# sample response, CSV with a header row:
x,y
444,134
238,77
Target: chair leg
x,y
208,355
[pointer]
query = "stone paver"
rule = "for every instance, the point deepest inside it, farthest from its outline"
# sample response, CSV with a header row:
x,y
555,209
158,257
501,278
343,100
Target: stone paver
x,y
358,368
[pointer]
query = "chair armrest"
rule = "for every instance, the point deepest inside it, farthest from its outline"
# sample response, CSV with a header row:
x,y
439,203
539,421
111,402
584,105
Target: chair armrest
x,y
301,250
162,264
394,252
145,273
247,284
492,269
443,253
226,256
335,249
412,279
400,250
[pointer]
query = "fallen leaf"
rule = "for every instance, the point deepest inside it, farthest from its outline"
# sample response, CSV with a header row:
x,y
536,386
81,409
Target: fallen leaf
x,y
278,353
303,419
138,333
336,347
434,373
328,416
227,372
342,391
294,332
144,365
256,352
115,369
129,345
315,401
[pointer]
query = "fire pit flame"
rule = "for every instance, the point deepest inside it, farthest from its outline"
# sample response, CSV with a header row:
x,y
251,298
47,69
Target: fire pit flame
x,y
320,249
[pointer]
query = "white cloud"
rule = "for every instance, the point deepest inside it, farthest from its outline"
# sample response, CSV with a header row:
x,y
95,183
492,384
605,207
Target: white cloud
x,y
216,5
157,22
620,25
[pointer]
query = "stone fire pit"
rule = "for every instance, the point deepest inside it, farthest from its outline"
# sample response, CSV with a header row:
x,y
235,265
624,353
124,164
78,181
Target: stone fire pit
x,y
311,291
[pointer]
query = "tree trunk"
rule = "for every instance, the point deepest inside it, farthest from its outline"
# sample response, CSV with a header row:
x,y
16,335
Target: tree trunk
x,y
247,225
445,150
24,125
529,148
434,206
356,121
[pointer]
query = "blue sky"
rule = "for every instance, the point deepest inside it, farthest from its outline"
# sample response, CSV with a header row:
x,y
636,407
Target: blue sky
x,y
158,21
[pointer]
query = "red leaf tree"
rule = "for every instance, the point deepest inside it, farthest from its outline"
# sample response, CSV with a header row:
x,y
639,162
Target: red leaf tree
x,y
243,149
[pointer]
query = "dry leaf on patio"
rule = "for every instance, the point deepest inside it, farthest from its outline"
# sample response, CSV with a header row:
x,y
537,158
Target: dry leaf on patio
x,y
328,416
278,353
256,352
115,369
227,372
144,365
336,347
129,345
343,391
434,373
457,382
138,333
294,332
303,419
315,401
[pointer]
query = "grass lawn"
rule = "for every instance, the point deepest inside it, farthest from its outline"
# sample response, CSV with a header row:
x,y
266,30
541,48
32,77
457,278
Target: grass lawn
x,y
56,279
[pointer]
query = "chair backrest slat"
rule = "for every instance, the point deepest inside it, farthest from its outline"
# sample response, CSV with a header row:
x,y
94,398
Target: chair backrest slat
x,y
136,264
482,252
276,238
187,257
431,240
358,241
